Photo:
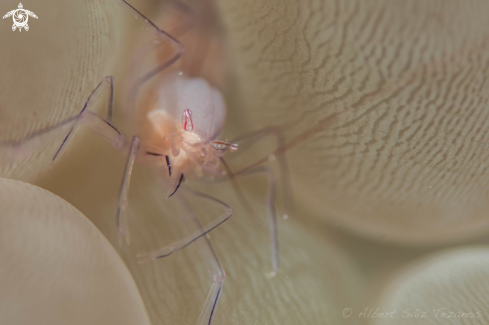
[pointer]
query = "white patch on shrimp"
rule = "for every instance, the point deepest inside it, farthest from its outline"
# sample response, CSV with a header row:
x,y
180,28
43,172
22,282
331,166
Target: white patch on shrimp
x,y
179,93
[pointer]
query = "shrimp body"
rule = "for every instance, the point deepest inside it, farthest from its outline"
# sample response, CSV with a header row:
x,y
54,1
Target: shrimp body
x,y
188,116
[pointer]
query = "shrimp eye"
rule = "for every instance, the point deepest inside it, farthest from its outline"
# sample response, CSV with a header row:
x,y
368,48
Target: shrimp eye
x,y
188,125
224,145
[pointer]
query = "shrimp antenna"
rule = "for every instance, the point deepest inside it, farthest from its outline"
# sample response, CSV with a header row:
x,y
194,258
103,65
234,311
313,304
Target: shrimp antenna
x,y
296,140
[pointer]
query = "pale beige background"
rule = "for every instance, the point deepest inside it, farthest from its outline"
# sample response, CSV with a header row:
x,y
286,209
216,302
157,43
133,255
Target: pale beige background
x,y
402,164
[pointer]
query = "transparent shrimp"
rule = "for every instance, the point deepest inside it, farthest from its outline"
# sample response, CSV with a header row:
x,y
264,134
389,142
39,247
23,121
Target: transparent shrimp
x,y
181,115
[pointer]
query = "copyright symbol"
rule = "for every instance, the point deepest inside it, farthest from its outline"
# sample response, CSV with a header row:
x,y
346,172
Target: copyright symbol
x,y
347,312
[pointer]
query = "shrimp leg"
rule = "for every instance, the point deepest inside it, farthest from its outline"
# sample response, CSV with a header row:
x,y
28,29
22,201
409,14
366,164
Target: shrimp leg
x,y
208,255
111,134
252,138
272,193
272,217
107,131
95,121
121,217
204,247
184,242
23,149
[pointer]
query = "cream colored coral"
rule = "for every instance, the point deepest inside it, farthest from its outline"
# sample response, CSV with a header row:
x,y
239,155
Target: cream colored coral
x,y
405,158
56,267
449,287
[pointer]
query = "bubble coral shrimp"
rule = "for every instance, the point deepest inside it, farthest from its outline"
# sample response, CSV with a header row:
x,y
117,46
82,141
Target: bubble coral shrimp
x,y
182,118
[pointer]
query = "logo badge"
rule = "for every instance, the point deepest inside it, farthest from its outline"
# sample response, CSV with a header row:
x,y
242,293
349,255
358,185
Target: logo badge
x,y
20,16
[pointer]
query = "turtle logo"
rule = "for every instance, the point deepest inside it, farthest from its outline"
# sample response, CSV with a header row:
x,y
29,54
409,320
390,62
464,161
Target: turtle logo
x,y
20,16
